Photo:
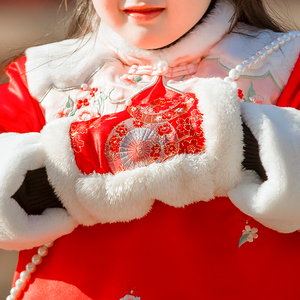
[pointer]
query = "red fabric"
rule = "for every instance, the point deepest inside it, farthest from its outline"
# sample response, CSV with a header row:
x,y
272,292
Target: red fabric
x,y
156,116
19,111
172,253
290,96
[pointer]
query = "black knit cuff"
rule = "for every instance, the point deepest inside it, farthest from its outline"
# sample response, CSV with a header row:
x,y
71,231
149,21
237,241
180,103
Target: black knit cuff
x,y
36,194
251,153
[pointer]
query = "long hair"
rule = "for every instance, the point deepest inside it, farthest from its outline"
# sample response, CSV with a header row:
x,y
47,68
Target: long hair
x,y
85,20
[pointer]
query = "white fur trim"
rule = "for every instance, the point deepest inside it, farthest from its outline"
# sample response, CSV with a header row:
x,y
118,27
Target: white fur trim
x,y
70,62
18,154
219,103
97,198
179,181
276,202
63,64
192,47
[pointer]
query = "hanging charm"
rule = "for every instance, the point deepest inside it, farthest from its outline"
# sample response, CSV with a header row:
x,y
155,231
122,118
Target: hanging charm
x,y
132,294
248,234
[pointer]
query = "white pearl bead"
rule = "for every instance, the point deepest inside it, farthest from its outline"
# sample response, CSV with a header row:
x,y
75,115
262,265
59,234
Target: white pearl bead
x,y
261,54
241,68
14,292
9,297
48,245
280,40
36,259
162,65
129,102
19,283
287,37
268,49
84,86
275,45
248,63
43,251
254,58
24,275
31,267
234,74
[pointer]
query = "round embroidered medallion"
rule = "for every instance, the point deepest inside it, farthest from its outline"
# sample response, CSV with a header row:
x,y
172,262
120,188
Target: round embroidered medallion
x,y
134,144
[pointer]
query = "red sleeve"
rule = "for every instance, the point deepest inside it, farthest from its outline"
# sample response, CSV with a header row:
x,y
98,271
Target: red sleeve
x,y
19,111
290,96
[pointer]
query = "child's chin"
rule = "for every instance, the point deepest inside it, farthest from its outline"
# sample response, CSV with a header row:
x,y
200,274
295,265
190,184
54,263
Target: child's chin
x,y
150,45
147,41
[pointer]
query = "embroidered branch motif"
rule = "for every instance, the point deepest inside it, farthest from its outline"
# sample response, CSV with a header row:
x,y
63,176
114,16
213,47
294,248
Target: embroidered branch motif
x,y
251,96
84,109
249,234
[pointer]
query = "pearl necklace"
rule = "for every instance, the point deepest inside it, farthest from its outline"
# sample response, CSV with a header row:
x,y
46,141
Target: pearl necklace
x,y
30,268
233,75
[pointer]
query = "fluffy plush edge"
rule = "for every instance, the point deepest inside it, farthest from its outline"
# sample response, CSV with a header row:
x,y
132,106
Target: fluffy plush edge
x,y
276,202
180,181
18,154
98,198
222,126
210,32
53,63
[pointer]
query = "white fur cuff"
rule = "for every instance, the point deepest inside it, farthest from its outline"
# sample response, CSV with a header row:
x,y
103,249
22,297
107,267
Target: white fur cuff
x,y
18,154
179,181
275,202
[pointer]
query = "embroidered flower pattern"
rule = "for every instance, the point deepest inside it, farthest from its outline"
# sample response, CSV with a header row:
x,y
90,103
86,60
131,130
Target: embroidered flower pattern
x,y
78,129
134,143
171,149
138,123
87,113
121,130
250,96
169,114
130,297
84,109
132,294
184,126
114,143
155,151
162,109
249,234
160,125
164,129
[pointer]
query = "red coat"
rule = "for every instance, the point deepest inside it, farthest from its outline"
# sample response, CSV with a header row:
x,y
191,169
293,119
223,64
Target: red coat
x,y
171,253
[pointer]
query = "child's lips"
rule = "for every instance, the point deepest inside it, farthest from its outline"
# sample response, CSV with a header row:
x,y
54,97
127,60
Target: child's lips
x,y
143,14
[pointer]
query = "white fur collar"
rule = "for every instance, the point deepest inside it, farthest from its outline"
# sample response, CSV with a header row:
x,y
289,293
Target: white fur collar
x,y
70,62
193,46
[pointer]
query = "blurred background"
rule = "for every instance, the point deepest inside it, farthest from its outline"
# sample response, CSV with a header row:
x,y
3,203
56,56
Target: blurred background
x,y
32,22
